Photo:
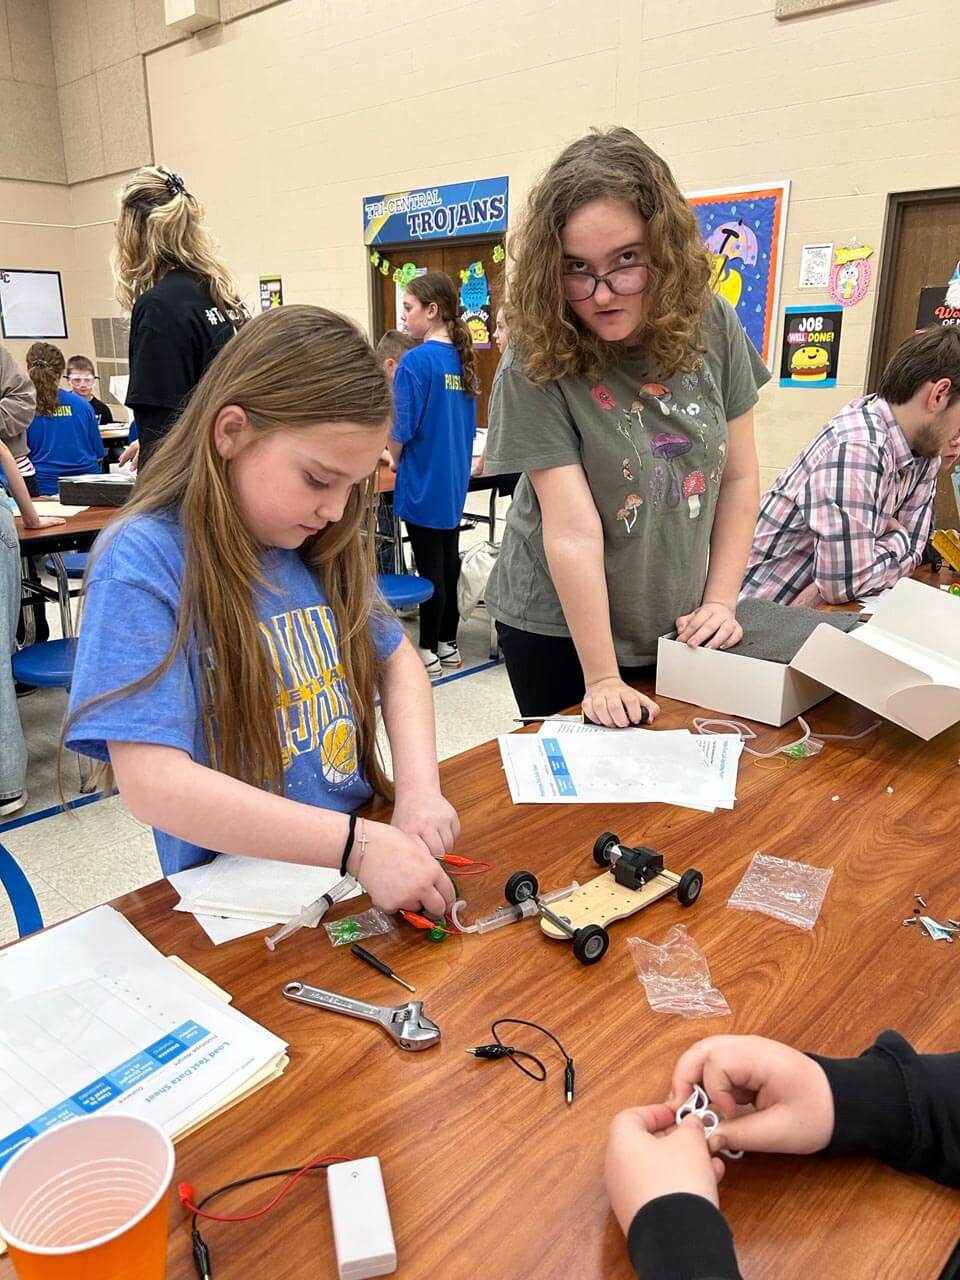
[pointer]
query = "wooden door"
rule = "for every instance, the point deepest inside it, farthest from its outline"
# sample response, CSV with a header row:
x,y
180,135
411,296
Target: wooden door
x,y
921,248
451,256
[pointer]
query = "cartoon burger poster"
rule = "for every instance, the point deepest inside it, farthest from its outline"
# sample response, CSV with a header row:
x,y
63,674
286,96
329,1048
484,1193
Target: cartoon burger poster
x,y
811,345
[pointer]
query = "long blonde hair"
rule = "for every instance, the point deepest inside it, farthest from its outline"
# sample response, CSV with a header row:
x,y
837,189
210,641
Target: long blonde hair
x,y
546,336
45,365
436,286
159,227
290,367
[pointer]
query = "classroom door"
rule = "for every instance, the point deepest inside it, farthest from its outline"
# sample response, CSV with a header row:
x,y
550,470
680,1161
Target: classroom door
x,y
921,249
451,256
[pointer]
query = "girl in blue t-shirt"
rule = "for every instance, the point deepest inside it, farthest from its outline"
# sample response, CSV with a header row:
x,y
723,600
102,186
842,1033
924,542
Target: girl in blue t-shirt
x,y
240,589
64,436
436,419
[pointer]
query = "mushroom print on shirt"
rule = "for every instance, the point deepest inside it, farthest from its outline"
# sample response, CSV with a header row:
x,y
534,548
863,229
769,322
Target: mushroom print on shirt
x,y
652,449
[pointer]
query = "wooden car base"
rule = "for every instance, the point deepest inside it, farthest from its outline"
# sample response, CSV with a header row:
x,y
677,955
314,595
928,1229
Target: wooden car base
x,y
602,901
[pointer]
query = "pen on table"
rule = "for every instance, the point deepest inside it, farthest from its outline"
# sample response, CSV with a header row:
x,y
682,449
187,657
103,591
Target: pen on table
x,y
578,719
375,962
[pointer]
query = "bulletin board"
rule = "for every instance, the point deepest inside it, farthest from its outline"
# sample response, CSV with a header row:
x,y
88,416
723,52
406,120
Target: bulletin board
x,y
31,304
743,230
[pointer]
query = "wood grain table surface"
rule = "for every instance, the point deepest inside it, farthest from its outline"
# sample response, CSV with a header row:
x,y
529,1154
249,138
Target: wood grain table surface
x,y
489,1173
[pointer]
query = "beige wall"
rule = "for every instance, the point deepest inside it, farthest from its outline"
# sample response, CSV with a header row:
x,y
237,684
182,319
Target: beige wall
x,y
283,119
328,105
39,243
67,229
31,146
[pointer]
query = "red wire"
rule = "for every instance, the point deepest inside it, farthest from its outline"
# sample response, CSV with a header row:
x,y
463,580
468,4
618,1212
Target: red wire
x,y
187,1193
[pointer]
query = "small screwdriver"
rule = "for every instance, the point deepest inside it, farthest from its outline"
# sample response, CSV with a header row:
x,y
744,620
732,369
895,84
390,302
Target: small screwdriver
x,y
362,954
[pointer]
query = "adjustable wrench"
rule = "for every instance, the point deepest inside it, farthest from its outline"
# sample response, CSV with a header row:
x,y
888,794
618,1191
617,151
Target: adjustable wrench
x,y
404,1023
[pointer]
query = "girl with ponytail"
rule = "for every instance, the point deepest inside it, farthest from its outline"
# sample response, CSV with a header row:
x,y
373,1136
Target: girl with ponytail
x,y
64,437
184,302
436,419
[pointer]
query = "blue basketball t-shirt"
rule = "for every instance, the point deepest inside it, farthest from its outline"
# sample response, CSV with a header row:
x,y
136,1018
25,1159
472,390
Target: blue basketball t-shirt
x,y
129,623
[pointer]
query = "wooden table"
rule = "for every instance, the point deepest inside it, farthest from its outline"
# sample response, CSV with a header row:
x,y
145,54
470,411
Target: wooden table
x,y
78,533
491,1174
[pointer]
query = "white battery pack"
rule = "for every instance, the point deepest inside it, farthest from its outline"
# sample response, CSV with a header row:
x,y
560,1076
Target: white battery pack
x,y
362,1231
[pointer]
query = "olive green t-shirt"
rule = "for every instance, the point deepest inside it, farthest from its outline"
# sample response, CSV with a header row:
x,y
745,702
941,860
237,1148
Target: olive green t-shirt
x,y
653,452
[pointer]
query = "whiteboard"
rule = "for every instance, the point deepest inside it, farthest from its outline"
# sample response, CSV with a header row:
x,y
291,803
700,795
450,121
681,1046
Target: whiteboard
x,y
31,304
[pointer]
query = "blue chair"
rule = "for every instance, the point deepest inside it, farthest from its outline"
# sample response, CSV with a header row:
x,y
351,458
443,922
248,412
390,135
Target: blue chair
x,y
404,590
26,910
75,563
48,664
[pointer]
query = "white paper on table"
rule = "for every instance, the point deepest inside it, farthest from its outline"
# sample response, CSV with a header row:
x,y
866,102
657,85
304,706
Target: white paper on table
x,y
51,507
868,602
95,1019
721,751
609,766
260,889
218,929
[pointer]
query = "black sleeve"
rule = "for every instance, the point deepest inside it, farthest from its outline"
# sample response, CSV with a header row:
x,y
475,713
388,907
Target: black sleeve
x,y
898,1105
682,1237
152,426
165,362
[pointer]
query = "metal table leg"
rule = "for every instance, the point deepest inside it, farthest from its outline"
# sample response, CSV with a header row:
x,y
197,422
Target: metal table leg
x,y
63,593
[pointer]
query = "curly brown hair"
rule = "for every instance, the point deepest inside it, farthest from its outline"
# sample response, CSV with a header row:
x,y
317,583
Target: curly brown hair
x,y
547,337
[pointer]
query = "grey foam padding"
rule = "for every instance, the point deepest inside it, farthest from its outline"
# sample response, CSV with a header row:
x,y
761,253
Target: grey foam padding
x,y
777,632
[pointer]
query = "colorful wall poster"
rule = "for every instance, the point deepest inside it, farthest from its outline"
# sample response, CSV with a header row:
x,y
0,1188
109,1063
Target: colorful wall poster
x,y
271,292
850,275
433,213
811,346
934,309
743,229
401,278
475,303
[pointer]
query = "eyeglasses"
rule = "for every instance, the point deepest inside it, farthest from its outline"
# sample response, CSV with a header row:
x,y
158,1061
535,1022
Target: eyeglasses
x,y
81,379
578,286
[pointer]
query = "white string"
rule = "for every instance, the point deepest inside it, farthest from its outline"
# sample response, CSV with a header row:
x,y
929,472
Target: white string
x,y
709,728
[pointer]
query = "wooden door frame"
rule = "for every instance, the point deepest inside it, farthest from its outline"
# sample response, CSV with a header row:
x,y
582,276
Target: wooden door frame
x,y
897,201
407,247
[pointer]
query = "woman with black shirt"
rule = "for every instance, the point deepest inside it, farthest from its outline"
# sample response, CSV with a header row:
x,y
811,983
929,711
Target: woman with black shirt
x,y
185,304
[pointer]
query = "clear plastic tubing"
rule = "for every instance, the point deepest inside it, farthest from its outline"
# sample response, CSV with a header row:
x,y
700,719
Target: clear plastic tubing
x,y
508,915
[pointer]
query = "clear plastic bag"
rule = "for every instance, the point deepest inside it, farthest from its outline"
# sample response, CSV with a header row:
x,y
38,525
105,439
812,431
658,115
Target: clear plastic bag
x,y
789,891
355,928
676,976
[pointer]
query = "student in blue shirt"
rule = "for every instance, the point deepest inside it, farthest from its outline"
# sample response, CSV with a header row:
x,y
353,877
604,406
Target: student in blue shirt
x,y
254,644
64,436
436,419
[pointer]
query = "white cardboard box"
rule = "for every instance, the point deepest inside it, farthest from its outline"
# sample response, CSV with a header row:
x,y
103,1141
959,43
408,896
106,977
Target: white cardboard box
x,y
770,692
904,663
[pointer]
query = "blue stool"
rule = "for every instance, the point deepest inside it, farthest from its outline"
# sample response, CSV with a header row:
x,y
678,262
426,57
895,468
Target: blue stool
x,y
49,664
26,910
404,590
75,563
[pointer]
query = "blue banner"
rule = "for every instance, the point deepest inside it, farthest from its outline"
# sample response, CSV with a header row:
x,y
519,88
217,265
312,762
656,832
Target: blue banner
x,y
435,213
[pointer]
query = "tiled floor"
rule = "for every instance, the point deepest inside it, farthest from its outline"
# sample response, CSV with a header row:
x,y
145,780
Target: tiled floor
x,y
95,852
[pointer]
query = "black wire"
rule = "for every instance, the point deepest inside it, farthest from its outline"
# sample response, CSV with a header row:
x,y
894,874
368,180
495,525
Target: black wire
x,y
522,1053
245,1182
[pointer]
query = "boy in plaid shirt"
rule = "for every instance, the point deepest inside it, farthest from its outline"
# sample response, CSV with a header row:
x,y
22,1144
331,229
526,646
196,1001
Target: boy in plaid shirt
x,y
852,515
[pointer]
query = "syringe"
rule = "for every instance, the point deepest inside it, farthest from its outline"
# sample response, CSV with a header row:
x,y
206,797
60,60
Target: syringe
x,y
312,914
508,915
